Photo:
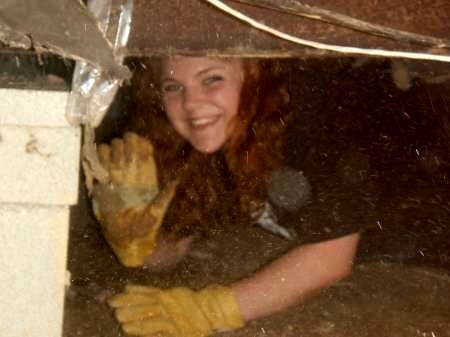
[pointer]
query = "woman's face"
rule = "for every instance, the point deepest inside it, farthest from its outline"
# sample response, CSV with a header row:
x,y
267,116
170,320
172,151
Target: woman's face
x,y
201,98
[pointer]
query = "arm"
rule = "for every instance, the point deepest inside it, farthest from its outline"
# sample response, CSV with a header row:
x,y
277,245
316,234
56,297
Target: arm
x,y
295,276
182,312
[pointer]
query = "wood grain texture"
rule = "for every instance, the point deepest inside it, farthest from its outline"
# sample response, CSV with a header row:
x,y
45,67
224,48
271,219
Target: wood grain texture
x,y
195,27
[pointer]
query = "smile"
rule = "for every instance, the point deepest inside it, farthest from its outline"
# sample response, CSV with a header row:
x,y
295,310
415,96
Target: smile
x,y
202,122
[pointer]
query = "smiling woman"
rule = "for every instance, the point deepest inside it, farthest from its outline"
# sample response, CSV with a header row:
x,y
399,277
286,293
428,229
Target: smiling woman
x,y
201,99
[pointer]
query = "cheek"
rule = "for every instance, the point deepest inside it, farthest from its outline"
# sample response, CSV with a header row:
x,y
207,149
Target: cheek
x,y
233,104
229,100
172,110
177,123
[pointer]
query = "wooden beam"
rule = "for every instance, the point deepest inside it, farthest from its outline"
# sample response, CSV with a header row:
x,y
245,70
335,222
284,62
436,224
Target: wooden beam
x,y
195,27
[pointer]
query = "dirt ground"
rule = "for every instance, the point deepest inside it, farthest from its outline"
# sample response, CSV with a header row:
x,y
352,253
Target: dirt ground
x,y
381,298
400,285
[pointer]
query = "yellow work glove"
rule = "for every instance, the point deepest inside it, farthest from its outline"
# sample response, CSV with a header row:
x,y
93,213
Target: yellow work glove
x,y
176,312
130,208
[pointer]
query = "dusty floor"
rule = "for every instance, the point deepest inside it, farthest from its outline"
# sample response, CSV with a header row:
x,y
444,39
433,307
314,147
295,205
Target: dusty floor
x,y
401,284
380,299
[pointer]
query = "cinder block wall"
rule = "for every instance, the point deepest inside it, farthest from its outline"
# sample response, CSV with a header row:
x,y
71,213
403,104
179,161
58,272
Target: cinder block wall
x,y
39,170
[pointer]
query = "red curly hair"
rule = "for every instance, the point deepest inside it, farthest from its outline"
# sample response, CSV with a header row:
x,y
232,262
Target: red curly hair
x,y
245,164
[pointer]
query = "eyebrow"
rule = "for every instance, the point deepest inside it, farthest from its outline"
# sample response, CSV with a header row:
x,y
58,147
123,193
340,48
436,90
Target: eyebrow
x,y
200,73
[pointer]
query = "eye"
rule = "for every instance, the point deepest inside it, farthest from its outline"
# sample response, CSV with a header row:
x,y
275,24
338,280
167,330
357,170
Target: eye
x,y
172,87
212,79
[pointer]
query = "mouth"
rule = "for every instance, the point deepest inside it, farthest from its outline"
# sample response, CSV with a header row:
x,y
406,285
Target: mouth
x,y
200,123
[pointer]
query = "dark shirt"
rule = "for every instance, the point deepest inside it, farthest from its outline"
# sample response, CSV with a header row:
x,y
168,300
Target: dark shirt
x,y
343,186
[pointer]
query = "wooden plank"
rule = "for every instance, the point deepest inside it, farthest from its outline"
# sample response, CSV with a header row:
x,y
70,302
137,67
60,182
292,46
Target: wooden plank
x,y
195,27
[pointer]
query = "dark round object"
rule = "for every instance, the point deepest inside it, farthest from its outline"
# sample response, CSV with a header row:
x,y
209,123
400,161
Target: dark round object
x,y
289,189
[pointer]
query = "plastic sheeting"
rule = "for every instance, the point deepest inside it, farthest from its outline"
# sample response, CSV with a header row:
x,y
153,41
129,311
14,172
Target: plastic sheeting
x,y
93,90
64,27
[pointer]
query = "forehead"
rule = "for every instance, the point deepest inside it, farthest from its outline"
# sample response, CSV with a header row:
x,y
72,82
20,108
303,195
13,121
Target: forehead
x,y
175,66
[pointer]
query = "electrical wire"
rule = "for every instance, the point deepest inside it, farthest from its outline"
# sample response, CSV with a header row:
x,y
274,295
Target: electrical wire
x,y
318,45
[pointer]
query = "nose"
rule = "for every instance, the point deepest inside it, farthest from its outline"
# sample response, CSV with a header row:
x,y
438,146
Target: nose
x,y
192,99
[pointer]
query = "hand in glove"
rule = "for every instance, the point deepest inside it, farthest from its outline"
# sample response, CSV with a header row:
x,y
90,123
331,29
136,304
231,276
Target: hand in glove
x,y
176,312
130,208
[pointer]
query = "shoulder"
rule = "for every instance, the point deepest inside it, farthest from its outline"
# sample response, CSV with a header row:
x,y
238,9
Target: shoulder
x,y
333,172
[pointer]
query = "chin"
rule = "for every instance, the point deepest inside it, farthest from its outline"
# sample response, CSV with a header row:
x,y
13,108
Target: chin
x,y
206,148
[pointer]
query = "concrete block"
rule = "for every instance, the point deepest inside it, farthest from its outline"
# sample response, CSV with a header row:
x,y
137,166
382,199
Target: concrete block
x,y
33,255
33,107
39,172
39,165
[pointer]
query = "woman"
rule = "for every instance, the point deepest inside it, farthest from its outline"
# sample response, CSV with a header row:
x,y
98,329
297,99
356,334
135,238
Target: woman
x,y
229,115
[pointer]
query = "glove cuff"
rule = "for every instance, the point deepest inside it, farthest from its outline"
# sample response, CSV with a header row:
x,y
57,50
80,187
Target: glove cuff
x,y
220,307
131,227
132,253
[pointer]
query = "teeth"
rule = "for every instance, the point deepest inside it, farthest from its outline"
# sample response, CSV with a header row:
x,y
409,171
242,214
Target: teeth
x,y
203,121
